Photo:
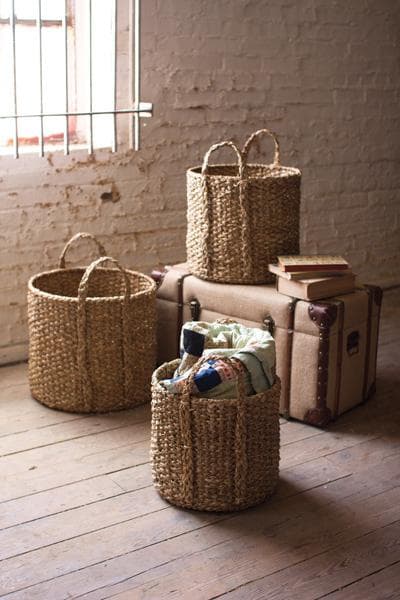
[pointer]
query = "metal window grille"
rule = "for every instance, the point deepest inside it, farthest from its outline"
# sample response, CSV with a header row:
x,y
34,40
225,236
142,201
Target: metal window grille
x,y
137,108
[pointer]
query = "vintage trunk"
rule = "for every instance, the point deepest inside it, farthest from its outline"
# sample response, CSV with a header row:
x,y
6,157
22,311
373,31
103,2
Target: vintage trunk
x,y
326,350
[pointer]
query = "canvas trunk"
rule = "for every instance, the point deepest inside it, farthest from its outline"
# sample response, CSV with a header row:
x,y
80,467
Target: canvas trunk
x,y
326,350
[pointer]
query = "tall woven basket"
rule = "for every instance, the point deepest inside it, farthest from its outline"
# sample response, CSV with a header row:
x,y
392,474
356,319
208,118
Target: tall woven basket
x,y
214,454
241,217
92,345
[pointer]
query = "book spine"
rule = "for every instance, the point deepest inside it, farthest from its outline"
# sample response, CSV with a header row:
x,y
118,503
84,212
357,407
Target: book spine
x,y
291,288
315,267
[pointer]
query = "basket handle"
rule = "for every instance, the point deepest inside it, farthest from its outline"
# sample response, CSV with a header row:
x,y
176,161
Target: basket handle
x,y
250,141
76,237
205,165
240,432
241,185
83,291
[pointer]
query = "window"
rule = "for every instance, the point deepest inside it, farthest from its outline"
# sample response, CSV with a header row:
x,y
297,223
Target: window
x,y
62,75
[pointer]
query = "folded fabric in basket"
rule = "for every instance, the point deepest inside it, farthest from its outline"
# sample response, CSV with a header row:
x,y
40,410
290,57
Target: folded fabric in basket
x,y
254,348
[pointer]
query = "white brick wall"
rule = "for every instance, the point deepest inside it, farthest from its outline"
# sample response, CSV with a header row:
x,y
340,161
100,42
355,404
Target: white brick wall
x,y
324,75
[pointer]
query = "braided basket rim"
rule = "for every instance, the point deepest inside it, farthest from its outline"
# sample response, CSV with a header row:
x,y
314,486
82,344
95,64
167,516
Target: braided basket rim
x,y
34,289
283,171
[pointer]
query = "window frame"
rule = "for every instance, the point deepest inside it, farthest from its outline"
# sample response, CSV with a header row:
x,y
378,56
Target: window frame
x,y
69,136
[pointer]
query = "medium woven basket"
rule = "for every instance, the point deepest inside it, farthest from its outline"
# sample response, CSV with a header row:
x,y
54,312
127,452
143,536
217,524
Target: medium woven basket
x,y
214,454
92,344
241,217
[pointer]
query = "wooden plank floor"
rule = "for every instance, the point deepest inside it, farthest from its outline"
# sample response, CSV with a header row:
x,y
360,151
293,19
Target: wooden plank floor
x,y
79,517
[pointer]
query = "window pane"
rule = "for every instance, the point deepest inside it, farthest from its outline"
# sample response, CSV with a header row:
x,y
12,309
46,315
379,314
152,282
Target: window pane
x,y
6,95
53,70
53,129
28,9
101,92
27,66
4,9
53,9
28,88
103,72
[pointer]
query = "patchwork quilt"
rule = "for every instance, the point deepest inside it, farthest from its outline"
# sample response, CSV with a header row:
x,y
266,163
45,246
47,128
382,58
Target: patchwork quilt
x,y
254,350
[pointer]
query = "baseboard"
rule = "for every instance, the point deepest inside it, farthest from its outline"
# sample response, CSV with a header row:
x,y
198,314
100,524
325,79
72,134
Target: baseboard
x,y
19,352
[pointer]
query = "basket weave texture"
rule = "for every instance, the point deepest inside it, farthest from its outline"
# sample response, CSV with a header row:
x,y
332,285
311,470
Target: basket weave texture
x,y
241,217
214,454
92,344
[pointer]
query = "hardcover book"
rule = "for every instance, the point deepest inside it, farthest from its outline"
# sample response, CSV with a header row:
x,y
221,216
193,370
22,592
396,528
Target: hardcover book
x,y
308,274
316,262
316,289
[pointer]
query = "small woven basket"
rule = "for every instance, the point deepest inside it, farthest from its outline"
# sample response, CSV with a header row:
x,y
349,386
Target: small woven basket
x,y
92,343
241,217
214,454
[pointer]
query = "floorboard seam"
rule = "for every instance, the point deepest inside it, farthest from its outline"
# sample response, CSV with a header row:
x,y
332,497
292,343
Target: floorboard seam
x,y
117,556
78,437
124,492
313,435
66,510
74,537
12,433
343,587
228,517
106,474
103,587
238,587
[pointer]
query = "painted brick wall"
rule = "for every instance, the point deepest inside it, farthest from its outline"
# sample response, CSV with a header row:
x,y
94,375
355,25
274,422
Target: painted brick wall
x,y
323,75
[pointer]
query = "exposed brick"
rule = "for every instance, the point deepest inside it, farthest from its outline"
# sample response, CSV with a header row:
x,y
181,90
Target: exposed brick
x,y
323,75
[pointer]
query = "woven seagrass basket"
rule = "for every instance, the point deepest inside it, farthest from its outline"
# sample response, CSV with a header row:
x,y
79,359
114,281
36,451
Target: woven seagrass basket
x,y
214,454
92,345
241,217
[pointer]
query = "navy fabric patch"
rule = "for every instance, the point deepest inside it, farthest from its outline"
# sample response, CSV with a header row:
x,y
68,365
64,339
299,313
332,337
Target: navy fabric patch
x,y
193,342
207,379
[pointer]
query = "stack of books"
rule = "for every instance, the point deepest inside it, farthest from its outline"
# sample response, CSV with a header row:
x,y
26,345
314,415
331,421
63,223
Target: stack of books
x,y
313,277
